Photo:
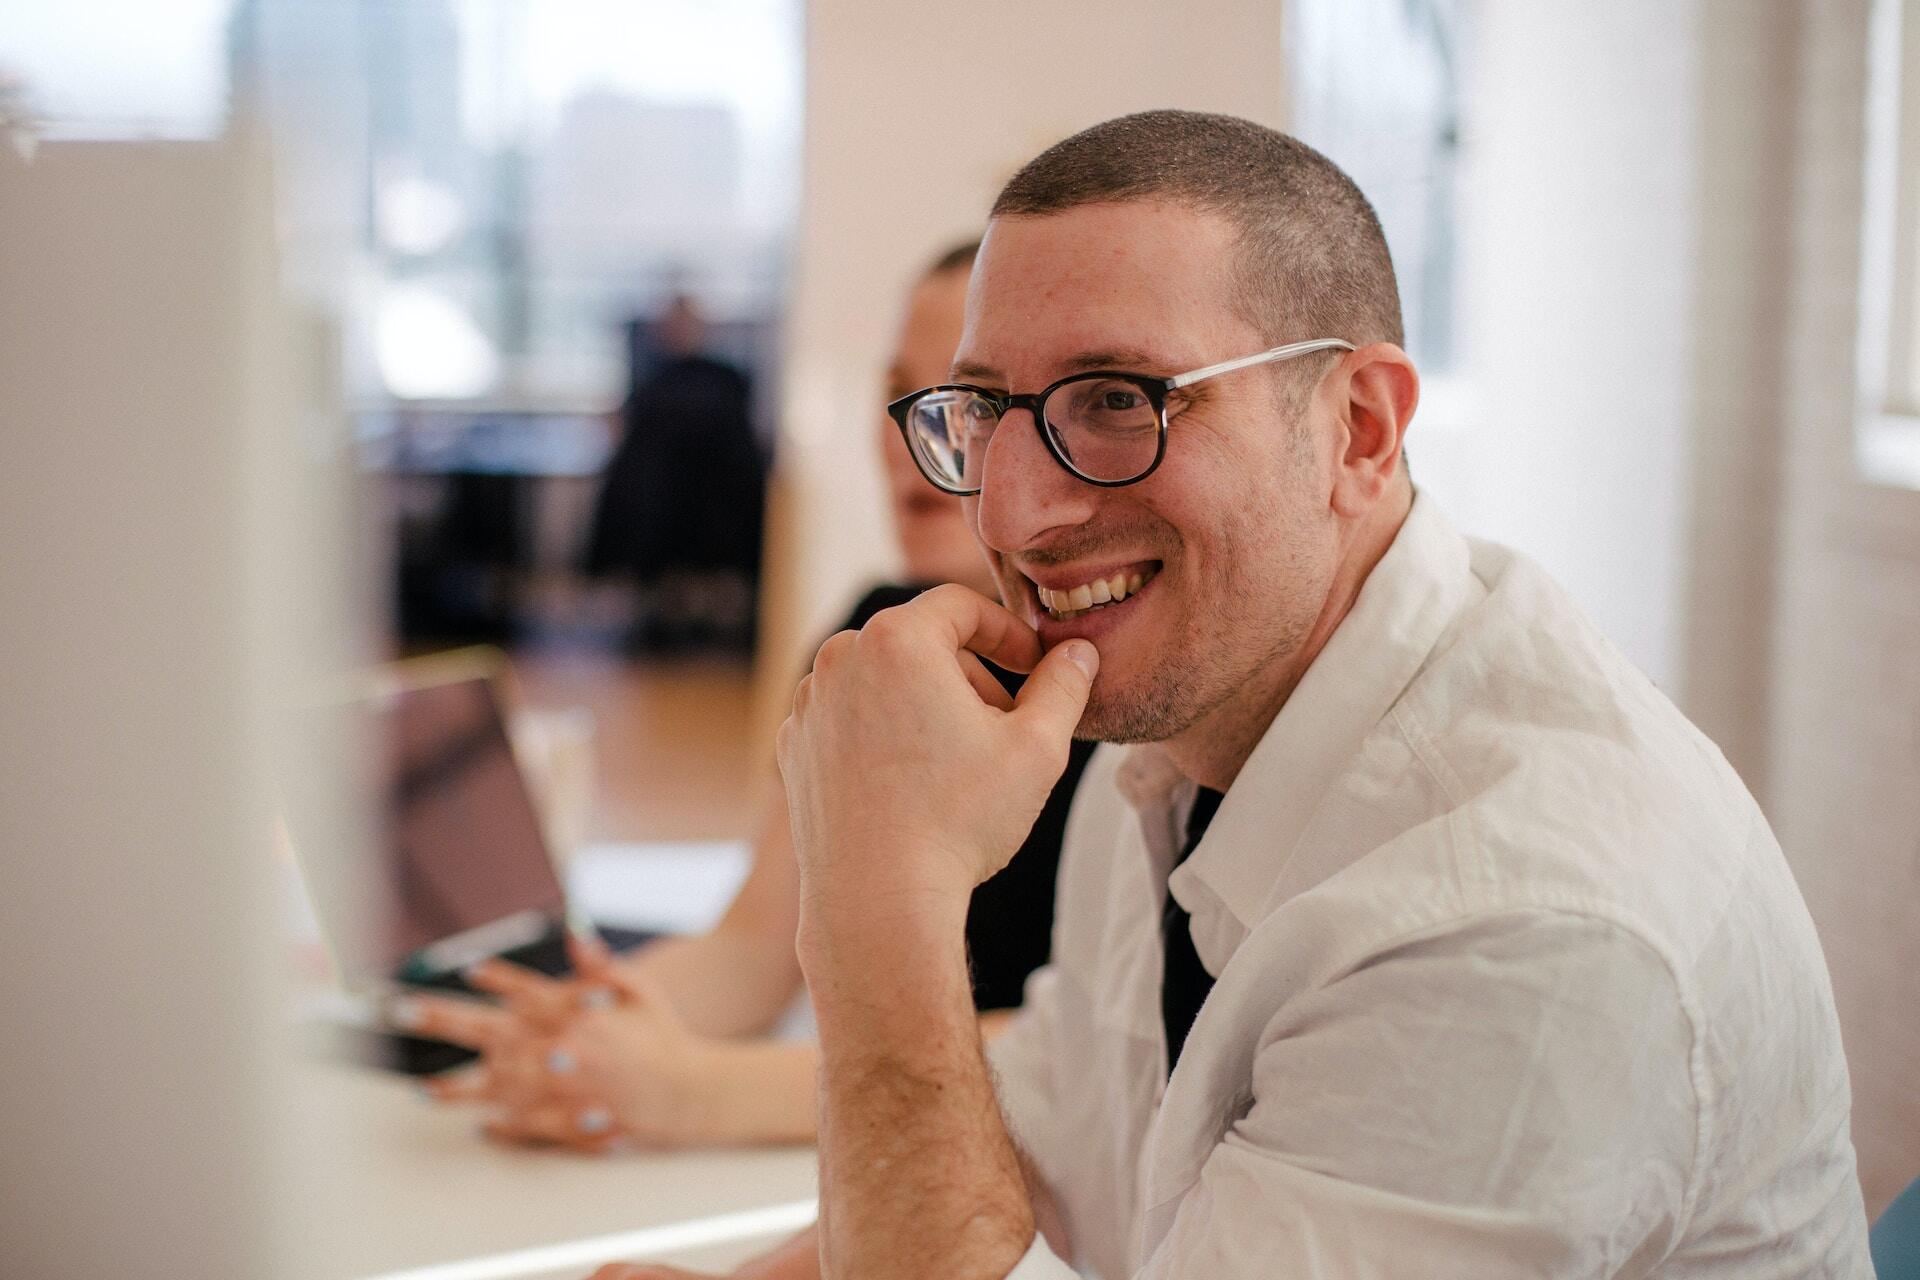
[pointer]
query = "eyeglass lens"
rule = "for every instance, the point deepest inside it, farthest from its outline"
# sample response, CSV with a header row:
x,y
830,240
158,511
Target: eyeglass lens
x,y
1103,427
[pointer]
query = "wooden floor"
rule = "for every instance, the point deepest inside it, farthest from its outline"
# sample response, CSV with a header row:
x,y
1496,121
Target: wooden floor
x,y
670,740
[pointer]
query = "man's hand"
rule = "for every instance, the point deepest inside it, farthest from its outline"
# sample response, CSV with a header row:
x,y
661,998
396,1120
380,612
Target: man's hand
x,y
911,775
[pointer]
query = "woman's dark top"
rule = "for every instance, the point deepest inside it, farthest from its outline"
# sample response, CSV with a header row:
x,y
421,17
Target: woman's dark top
x,y
1010,923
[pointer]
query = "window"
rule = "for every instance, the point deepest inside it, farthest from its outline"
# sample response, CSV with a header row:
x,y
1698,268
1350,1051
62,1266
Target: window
x,y
113,69
1375,86
484,192
1887,407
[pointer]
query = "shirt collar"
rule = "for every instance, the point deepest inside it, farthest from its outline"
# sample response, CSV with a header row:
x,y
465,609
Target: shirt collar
x,y
1404,607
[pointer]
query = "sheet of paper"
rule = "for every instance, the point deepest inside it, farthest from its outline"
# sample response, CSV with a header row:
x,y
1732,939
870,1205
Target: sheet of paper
x,y
680,887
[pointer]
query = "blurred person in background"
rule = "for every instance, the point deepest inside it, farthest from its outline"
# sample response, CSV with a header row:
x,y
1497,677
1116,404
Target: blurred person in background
x,y
682,506
669,1046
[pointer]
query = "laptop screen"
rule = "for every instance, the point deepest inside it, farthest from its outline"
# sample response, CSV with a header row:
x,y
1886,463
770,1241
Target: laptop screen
x,y
459,866
462,840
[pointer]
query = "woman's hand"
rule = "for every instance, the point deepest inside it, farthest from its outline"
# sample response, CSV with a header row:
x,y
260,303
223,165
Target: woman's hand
x,y
601,1060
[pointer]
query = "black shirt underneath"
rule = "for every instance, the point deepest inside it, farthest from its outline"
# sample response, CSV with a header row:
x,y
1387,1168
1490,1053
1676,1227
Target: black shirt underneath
x,y
1184,982
1010,921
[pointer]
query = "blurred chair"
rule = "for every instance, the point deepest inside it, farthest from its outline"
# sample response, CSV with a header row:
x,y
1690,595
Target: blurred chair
x,y
1895,1239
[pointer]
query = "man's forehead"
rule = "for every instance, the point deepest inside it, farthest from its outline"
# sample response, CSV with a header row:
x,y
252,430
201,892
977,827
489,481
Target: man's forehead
x,y
1104,286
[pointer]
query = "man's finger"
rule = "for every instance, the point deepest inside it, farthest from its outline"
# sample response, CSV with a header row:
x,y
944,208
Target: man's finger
x,y
991,691
968,620
1056,693
465,1022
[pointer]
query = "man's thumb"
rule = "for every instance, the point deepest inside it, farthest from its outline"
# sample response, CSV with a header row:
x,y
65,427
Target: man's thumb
x,y
1058,688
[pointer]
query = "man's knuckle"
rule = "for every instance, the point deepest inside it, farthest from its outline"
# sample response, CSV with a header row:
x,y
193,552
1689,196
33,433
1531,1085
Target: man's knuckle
x,y
951,593
888,627
833,650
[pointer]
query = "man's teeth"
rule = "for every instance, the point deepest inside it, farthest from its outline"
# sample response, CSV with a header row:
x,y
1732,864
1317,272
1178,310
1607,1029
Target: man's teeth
x,y
1066,603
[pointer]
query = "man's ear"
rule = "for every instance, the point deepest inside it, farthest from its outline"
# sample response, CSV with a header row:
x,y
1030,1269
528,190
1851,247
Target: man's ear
x,y
1382,387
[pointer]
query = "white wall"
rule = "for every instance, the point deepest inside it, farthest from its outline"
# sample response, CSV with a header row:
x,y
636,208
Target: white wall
x,y
1844,755
917,112
1744,189
1577,223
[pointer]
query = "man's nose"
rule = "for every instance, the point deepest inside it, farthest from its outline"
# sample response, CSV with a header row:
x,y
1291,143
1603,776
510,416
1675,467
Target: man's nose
x,y
1024,493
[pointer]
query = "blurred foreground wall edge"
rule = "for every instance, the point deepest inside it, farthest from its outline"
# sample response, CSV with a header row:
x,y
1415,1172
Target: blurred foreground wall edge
x,y
133,877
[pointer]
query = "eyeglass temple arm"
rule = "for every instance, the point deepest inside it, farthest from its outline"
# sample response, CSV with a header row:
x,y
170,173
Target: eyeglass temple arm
x,y
1287,352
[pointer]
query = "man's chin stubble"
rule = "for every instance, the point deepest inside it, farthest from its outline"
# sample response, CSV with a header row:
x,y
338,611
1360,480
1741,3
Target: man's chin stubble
x,y
1153,715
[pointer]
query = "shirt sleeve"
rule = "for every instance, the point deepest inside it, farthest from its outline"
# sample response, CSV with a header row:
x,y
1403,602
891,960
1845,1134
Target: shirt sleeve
x,y
1512,1098
1041,1263
1021,1058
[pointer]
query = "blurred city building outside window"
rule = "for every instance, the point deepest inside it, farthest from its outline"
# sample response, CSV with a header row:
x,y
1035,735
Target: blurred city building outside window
x,y
486,190
1376,86
480,193
1887,409
113,70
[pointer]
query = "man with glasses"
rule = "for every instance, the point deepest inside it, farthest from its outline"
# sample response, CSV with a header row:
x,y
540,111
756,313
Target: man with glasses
x,y
1413,933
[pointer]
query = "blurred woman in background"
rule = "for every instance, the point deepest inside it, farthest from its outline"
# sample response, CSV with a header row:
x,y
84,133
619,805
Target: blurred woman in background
x,y
670,1046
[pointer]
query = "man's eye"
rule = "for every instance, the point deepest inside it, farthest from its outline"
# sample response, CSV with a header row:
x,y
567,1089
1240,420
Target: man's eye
x,y
1121,400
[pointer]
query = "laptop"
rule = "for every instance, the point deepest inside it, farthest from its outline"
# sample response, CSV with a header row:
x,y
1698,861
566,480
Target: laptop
x,y
457,867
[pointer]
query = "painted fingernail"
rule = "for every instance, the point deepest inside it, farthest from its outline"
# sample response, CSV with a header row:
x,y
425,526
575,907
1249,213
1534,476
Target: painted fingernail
x,y
597,998
561,1063
405,1013
594,1120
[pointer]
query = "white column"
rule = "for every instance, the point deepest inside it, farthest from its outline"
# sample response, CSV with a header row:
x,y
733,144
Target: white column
x,y
135,920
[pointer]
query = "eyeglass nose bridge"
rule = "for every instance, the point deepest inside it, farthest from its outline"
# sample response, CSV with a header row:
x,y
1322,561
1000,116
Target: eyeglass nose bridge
x,y
1032,401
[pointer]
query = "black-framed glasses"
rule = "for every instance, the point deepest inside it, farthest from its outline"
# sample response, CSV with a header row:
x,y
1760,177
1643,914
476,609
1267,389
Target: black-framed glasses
x,y
1108,429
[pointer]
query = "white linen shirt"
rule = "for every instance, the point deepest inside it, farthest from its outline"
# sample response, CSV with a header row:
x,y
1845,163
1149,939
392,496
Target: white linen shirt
x,y
1512,979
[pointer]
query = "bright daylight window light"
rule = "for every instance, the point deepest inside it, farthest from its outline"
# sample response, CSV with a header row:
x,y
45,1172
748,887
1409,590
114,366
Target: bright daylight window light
x,y
429,348
1887,360
119,69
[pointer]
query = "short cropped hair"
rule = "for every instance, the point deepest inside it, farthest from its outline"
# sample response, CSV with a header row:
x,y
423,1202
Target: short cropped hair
x,y
1313,262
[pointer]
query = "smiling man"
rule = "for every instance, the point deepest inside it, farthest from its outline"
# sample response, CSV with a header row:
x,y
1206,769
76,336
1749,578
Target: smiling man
x,y
1414,934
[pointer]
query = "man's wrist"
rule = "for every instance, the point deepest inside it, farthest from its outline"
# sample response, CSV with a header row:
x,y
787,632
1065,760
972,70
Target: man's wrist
x,y
863,924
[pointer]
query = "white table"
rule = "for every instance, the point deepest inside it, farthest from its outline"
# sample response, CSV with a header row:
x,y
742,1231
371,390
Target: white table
x,y
393,1185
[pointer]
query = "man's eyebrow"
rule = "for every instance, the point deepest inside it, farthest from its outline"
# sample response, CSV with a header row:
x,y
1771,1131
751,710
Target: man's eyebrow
x,y
969,371
1131,359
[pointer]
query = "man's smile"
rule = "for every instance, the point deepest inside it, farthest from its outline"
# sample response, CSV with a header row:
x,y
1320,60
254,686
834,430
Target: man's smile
x,y
1085,599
